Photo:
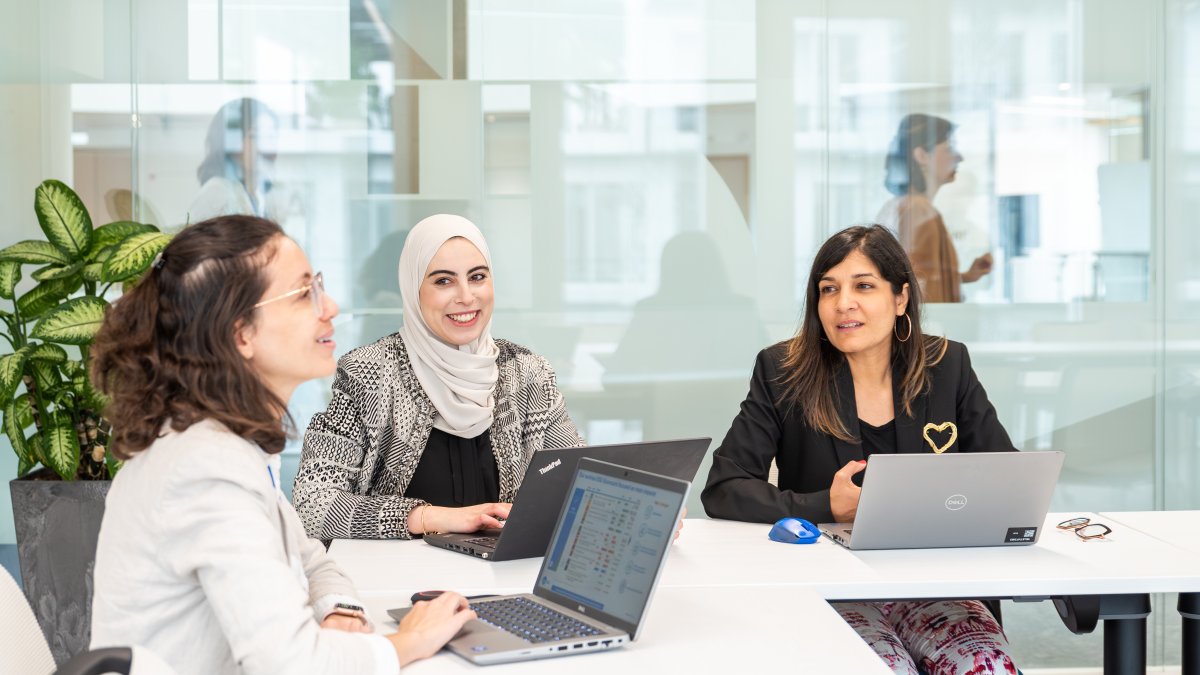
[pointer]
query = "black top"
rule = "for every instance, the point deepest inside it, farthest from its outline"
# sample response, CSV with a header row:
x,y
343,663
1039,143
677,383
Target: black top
x,y
456,471
768,428
878,440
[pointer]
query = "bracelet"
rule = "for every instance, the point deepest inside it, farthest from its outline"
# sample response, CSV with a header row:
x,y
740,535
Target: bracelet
x,y
422,519
346,609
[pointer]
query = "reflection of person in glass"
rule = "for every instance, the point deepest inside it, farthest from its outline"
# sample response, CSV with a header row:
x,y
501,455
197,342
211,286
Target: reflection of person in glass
x,y
694,299
921,159
860,378
378,289
239,162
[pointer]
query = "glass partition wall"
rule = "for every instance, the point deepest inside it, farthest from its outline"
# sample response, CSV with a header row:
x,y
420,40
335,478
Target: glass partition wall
x,y
655,177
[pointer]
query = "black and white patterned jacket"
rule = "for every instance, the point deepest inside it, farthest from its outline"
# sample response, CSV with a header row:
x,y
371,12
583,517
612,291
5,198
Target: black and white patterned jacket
x,y
360,454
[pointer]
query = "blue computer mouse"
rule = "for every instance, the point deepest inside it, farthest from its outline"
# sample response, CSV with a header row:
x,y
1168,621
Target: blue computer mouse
x,y
794,531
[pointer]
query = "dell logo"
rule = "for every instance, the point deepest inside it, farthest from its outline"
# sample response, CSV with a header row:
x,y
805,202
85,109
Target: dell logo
x,y
955,502
549,466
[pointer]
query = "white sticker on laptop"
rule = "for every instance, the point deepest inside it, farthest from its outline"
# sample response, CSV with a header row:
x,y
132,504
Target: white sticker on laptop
x,y
1020,535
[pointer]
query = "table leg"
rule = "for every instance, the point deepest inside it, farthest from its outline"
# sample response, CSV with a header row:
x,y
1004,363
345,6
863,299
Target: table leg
x,y
1124,619
1189,611
1124,646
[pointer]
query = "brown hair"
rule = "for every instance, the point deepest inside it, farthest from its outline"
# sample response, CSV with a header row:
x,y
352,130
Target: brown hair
x,y
166,349
811,363
902,173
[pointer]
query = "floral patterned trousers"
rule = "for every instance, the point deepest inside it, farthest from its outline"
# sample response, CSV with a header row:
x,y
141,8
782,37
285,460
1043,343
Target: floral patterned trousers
x,y
944,637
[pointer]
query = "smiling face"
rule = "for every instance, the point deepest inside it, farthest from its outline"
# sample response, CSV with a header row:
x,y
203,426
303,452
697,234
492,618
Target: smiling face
x,y
288,344
456,293
857,307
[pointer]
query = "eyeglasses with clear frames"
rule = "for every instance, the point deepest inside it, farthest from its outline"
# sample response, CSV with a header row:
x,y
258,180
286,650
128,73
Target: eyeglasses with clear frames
x,y
1084,528
317,286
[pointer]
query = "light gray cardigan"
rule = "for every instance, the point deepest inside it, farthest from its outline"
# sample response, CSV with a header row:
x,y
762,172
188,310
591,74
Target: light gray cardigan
x,y
202,561
360,454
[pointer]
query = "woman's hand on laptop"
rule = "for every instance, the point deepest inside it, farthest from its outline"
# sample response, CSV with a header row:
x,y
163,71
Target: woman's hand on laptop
x,y
843,493
430,625
427,518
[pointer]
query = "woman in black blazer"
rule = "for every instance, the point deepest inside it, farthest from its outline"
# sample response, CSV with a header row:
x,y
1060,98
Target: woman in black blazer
x,y
860,378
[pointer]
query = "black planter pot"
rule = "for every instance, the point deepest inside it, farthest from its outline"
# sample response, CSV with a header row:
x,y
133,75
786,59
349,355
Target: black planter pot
x,y
57,525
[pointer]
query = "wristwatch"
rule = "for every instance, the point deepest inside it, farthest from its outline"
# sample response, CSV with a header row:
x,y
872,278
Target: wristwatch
x,y
347,609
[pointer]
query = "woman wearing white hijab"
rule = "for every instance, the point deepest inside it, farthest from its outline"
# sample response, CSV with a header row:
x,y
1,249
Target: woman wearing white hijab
x,y
430,429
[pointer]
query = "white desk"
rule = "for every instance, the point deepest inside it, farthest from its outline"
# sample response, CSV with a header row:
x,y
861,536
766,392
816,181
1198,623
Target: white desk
x,y
1177,528
715,630
714,554
727,553
1095,580
724,552
1181,529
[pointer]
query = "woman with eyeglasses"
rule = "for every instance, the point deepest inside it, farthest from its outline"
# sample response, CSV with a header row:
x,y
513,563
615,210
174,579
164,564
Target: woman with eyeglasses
x,y
200,558
861,378
430,429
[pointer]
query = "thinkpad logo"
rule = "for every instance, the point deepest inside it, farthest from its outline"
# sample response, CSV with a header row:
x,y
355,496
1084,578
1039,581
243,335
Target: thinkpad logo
x,y
549,466
955,502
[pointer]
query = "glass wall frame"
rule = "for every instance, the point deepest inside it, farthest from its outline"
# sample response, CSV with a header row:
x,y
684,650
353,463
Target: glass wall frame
x,y
654,179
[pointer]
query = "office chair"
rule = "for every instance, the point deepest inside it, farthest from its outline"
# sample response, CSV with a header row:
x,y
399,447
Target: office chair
x,y
120,660
23,648
123,205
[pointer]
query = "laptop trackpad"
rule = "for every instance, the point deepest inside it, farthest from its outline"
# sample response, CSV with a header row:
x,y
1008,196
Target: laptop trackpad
x,y
477,637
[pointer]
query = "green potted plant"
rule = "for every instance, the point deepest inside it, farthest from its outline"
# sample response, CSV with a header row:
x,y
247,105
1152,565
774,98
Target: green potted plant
x,y
52,415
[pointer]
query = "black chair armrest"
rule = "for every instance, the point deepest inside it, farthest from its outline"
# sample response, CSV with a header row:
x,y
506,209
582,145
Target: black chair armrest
x,y
99,661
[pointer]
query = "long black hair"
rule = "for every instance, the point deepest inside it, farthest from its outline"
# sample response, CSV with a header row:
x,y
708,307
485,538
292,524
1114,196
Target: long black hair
x,y
811,364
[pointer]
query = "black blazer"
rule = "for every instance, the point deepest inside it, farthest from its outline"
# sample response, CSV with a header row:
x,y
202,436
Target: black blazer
x,y
766,429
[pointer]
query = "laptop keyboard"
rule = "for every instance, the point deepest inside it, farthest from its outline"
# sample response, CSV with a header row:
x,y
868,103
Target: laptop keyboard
x,y
531,621
486,542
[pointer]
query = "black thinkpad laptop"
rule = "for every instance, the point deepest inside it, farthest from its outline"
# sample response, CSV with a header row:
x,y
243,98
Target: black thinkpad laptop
x,y
547,477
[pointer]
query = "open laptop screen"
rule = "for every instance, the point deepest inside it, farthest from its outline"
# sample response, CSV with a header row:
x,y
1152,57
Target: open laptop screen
x,y
611,538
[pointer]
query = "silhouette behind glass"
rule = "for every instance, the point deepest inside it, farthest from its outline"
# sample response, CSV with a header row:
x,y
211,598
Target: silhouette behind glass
x,y
922,158
694,327
238,170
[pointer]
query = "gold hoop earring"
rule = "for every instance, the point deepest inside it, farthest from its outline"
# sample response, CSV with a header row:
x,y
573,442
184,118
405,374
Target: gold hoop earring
x,y
895,329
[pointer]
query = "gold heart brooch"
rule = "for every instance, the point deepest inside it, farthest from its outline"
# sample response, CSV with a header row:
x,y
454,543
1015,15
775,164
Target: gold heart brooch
x,y
939,428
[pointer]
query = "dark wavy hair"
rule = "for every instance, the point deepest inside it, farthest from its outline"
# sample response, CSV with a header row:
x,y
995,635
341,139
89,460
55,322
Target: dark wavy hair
x,y
166,351
902,174
811,363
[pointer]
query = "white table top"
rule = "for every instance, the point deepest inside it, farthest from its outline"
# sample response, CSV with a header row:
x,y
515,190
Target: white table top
x,y
723,629
715,553
1179,528
1127,561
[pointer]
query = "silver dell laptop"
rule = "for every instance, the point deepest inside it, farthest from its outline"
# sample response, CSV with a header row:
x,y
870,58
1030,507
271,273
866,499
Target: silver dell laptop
x,y
951,500
596,582
547,477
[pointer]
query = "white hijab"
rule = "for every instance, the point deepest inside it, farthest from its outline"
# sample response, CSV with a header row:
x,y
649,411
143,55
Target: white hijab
x,y
460,381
